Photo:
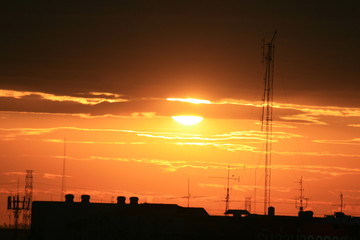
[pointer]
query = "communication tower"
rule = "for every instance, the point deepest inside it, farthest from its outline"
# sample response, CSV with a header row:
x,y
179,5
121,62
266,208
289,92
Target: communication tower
x,y
301,201
341,202
19,204
28,198
63,183
266,116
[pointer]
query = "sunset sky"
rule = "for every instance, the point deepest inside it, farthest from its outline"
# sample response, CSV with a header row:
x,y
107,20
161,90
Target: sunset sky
x,y
104,80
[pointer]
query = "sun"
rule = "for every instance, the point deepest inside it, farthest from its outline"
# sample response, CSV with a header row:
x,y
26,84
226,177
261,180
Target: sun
x,y
187,120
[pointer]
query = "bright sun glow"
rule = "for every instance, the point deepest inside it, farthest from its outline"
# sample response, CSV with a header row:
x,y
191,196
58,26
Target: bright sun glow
x,y
187,120
190,100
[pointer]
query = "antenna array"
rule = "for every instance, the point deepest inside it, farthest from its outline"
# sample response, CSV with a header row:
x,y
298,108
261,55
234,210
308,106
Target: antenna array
x,y
266,117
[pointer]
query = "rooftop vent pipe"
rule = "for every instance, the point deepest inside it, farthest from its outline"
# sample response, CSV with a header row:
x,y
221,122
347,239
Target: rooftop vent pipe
x,y
85,198
271,211
134,200
121,200
69,198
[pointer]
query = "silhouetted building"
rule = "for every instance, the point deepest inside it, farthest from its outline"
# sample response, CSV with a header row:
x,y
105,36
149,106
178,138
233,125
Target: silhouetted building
x,y
101,221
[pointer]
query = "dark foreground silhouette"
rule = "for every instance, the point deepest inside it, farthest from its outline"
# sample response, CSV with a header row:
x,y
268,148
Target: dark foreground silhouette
x,y
85,220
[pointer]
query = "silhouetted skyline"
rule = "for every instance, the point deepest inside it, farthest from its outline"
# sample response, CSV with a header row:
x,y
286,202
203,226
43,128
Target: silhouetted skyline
x,y
110,76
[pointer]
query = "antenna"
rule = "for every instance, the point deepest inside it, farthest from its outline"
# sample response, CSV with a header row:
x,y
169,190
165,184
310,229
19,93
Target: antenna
x,y
266,116
21,204
341,202
301,198
227,197
63,186
16,204
341,205
188,196
248,204
28,198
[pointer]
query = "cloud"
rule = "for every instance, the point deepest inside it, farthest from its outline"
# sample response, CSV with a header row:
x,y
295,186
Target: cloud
x,y
174,165
308,109
143,114
190,100
167,165
321,169
105,97
354,141
259,135
304,119
279,125
232,141
112,104
93,142
319,154
113,95
242,188
13,132
211,185
80,115
306,114
236,135
52,176
222,146
39,131
15,173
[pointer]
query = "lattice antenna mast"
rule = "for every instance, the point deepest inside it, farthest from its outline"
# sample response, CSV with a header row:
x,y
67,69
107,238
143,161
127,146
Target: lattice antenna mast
x,y
28,198
188,196
17,208
227,197
63,185
341,202
302,200
266,117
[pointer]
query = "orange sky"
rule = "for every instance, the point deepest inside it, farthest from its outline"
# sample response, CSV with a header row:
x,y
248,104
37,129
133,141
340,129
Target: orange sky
x,y
110,81
153,156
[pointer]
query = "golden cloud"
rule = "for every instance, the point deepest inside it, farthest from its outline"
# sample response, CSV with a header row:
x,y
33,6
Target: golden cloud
x,y
168,165
52,97
354,141
190,100
309,114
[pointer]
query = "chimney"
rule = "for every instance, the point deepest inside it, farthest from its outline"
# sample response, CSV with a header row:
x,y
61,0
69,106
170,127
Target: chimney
x,y
85,198
271,211
69,198
134,200
121,200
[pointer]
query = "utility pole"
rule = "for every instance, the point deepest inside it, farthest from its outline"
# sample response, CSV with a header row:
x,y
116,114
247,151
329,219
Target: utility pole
x,y
266,117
